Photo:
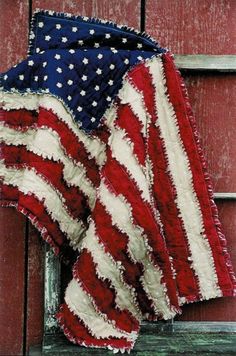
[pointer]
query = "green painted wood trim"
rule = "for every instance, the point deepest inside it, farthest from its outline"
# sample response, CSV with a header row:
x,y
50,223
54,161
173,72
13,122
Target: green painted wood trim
x,y
226,196
52,289
202,62
153,342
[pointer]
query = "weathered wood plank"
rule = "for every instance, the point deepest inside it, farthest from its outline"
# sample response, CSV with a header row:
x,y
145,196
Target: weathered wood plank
x,y
12,265
225,196
193,26
14,32
212,97
201,62
52,291
35,289
127,12
153,342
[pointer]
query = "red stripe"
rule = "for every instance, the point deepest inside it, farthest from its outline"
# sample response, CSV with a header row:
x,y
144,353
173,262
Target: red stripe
x,y
76,331
52,171
115,243
102,293
19,119
143,217
132,126
30,204
200,186
23,119
70,142
175,235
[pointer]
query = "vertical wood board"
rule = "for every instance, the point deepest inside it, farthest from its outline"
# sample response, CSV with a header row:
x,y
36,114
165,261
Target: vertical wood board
x,y
123,12
213,97
193,26
12,293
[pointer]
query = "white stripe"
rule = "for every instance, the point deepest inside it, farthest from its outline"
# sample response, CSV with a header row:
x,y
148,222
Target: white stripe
x,y
31,101
129,95
187,202
108,268
121,214
28,182
79,302
46,143
122,149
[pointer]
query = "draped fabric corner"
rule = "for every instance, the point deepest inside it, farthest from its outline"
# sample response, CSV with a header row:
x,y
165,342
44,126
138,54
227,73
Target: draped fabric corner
x,y
99,149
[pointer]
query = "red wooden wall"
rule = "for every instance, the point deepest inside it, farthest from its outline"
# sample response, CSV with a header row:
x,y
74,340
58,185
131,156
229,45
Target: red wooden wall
x,y
185,27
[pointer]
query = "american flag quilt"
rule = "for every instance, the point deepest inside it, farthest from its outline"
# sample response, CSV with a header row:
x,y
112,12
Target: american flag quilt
x,y
99,149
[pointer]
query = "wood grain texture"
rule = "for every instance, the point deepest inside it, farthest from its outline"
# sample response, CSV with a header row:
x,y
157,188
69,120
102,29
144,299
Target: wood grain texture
x,y
123,12
13,32
35,289
220,309
193,26
12,250
212,97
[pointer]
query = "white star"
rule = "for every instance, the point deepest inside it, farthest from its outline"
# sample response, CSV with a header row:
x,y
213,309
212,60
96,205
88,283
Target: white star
x,y
47,38
5,77
94,103
97,87
59,70
113,50
64,39
85,60
70,82
79,108
58,26
31,63
110,82
74,29
50,12
40,24
112,66
46,90
71,66
96,45
44,64
124,40
59,85
45,77
57,56
37,50
83,92
36,78
93,119
99,56
126,61
139,45
32,36
108,98
107,35
80,42
99,71
72,51
85,18
69,97
84,77
139,58
21,77
91,32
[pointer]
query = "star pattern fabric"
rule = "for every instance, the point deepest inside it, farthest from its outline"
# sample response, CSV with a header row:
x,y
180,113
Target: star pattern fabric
x,y
81,61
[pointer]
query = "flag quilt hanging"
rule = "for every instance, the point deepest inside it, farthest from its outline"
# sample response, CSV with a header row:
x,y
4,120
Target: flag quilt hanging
x,y
99,149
